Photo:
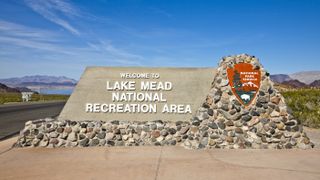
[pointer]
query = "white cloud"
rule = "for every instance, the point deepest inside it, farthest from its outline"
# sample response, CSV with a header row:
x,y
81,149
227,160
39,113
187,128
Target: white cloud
x,y
50,45
14,35
18,30
119,55
54,11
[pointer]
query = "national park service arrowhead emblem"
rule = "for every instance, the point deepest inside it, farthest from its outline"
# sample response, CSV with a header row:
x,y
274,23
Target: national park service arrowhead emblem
x,y
244,81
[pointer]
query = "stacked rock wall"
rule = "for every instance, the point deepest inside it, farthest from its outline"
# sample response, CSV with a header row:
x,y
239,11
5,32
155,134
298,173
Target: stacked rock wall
x,y
221,122
266,123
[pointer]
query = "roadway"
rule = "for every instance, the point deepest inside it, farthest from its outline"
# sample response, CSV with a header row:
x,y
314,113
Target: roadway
x,y
14,116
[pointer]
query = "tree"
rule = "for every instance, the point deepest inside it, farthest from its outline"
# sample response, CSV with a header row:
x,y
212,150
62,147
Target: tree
x,y
237,80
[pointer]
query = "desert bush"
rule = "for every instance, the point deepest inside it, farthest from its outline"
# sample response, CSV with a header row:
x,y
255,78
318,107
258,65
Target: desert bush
x,y
10,97
305,105
16,97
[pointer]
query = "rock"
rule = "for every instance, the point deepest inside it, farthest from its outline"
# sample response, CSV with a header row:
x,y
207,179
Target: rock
x,y
60,130
306,140
213,125
229,116
275,114
117,131
119,143
118,137
155,134
131,140
35,142
244,112
280,126
253,121
54,141
172,131
264,139
229,123
204,142
238,130
94,142
160,138
194,129
111,143
172,142
91,135
116,122
264,120
221,125
254,113
184,130
71,144
136,137
246,118
212,142
205,105
44,143
102,142
160,126
232,111
196,123
54,134
275,99
229,139
29,123
288,146
40,136
153,126
214,136
72,137
262,99
81,136
225,107
84,142
146,128
210,112
68,130
290,123
101,135
84,125
109,136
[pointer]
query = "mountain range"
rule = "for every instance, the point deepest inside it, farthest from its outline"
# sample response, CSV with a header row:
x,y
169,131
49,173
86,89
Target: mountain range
x,y
39,82
299,79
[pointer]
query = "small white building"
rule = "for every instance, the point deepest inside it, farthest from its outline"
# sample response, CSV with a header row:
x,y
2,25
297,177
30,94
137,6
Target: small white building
x,y
26,96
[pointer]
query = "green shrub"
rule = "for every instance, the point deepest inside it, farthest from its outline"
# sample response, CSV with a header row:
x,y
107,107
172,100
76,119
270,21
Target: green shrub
x,y
10,97
305,104
16,97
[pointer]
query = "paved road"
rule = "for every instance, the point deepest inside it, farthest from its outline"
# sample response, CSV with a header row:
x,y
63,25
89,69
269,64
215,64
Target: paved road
x,y
13,116
156,163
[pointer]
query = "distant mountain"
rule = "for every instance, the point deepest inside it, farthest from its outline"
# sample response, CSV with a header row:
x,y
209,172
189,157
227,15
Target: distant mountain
x,y
38,80
294,84
315,83
299,79
279,78
306,77
24,89
43,84
6,89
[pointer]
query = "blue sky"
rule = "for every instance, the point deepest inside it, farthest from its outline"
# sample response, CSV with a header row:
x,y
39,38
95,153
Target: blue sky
x,y
55,37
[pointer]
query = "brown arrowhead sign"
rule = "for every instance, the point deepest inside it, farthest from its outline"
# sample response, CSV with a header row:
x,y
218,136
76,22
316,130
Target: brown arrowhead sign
x,y
244,81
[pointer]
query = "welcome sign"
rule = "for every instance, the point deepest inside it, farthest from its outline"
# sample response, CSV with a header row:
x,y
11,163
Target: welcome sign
x,y
138,94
